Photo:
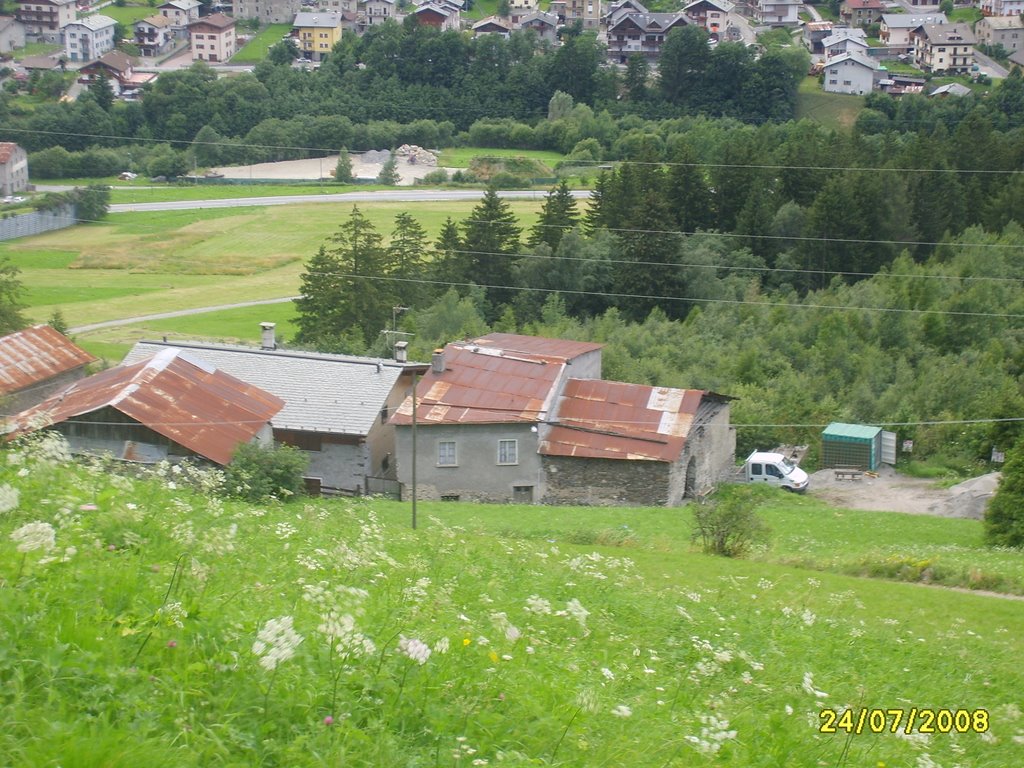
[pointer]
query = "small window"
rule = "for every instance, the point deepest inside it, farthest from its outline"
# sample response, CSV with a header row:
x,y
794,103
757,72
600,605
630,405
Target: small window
x,y
450,497
755,469
508,451
446,453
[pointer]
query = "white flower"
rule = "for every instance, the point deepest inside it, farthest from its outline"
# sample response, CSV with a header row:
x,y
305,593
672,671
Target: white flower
x,y
539,605
575,609
622,711
809,688
276,642
808,617
9,498
415,649
442,646
609,675
32,536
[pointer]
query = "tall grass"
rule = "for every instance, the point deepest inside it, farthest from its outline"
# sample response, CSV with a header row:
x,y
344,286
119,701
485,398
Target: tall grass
x,y
169,627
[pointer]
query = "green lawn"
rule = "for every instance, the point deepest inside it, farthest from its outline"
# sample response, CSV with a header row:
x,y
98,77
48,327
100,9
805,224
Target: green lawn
x,y
256,49
969,15
460,157
36,49
834,110
169,628
127,14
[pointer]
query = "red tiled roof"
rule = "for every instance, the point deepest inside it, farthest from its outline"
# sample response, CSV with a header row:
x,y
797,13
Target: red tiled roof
x,y
612,420
500,377
215,20
36,354
172,393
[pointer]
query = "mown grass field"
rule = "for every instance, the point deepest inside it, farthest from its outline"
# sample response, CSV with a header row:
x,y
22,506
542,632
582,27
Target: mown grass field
x,y
134,264
835,110
256,49
128,14
147,624
460,157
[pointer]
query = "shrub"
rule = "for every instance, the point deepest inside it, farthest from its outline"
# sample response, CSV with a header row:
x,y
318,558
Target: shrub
x,y
729,525
258,472
1004,518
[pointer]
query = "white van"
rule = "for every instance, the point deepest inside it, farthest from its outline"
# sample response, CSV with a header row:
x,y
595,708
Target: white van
x,y
774,469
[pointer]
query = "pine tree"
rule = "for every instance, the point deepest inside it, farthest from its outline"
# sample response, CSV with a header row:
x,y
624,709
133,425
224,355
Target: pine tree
x,y
343,170
491,239
405,259
1004,518
388,175
558,215
342,288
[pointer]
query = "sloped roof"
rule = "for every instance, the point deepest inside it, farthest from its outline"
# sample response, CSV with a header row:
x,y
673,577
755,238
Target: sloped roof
x,y
944,34
7,150
119,61
174,394
723,5
95,22
912,20
318,20
613,420
159,21
857,58
954,89
37,354
330,394
1002,22
498,378
215,20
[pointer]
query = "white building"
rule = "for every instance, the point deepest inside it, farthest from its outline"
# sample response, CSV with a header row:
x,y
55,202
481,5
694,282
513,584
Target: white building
x,y
851,73
89,38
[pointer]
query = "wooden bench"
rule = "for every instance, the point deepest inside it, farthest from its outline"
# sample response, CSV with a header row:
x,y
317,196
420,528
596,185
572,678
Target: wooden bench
x,y
848,473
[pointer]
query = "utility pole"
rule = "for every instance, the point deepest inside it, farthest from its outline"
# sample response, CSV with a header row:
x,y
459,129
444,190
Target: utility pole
x,y
414,490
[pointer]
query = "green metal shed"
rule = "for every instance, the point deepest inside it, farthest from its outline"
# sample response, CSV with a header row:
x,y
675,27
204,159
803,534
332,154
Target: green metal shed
x,y
851,445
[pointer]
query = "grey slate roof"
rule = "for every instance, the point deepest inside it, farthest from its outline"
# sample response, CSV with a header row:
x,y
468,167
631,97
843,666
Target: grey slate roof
x,y
332,394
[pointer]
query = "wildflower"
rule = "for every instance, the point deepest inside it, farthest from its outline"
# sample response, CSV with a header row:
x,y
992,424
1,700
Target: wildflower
x,y
609,675
328,720
87,507
622,711
442,645
276,642
713,732
9,498
33,536
466,641
808,686
172,644
808,617
415,649
575,609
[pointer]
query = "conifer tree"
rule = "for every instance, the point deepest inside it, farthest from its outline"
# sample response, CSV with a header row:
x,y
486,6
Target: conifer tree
x,y
343,170
491,240
558,215
389,172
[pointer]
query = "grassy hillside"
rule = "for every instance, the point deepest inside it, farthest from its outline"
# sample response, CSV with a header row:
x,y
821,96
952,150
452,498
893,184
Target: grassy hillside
x,y
167,628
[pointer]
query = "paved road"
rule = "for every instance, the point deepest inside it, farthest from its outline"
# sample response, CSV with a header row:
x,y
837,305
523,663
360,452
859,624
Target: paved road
x,y
988,66
383,196
176,313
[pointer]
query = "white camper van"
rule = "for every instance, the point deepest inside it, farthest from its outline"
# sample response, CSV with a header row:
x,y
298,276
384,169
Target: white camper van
x,y
774,469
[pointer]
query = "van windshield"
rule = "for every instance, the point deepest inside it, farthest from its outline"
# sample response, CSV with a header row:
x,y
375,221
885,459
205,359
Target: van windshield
x,y
787,466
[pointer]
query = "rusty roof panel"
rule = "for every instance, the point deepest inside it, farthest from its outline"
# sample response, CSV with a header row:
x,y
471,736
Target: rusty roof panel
x,y
34,355
612,420
172,393
484,382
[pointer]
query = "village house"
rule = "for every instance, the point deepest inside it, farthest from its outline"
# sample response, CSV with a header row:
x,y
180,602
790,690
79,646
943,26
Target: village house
x,y
1002,7
814,33
545,25
776,13
713,15
852,73
947,48
119,70
171,406
1007,31
588,12
847,40
523,419
317,33
492,25
35,362
154,36
212,38
267,11
13,169
181,13
861,13
89,37
12,34
896,29
519,8
440,14
335,407
43,20
374,12
631,28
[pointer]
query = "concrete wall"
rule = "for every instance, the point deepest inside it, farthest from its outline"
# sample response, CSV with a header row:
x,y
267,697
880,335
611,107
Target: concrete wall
x,y
381,438
36,223
477,475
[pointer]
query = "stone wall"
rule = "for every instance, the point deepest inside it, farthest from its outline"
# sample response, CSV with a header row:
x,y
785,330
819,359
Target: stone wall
x,y
606,482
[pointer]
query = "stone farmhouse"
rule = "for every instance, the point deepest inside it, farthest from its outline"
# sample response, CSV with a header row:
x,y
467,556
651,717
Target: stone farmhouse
x,y
523,419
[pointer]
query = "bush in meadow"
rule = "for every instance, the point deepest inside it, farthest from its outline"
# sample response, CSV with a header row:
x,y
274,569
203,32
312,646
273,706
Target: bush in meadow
x,y
729,525
257,472
1004,518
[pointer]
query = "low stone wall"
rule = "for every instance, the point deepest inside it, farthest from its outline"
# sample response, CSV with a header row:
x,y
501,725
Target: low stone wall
x,y
605,482
37,222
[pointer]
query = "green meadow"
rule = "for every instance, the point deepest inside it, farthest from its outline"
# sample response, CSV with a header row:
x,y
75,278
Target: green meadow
x,y
133,264
151,621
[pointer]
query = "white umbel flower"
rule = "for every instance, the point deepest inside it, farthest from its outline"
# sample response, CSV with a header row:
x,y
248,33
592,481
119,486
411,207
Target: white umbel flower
x,y
33,536
276,642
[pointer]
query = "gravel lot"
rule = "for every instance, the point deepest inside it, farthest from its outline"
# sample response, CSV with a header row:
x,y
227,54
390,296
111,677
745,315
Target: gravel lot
x,y
321,168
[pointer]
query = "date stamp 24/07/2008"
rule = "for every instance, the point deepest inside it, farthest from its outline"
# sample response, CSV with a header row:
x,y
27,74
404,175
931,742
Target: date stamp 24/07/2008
x,y
906,720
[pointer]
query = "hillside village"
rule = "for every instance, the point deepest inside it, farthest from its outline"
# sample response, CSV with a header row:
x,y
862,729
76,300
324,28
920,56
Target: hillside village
x,y
871,45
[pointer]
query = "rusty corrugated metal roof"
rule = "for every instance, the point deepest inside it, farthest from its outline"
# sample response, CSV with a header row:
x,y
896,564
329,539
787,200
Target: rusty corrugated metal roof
x,y
172,393
34,355
613,420
501,377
